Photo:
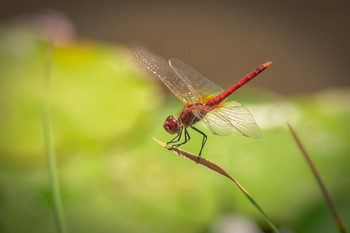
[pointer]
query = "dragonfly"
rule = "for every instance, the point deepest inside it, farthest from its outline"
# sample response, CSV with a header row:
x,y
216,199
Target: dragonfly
x,y
203,100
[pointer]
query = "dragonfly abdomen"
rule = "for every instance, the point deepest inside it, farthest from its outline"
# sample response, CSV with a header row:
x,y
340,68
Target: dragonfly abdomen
x,y
219,98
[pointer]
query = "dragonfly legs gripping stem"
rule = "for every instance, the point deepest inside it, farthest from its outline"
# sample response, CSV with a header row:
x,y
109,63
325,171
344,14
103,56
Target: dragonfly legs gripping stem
x,y
187,138
175,139
178,138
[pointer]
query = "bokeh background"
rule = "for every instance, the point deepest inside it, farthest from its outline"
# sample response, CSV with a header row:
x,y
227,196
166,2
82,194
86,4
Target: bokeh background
x,y
104,109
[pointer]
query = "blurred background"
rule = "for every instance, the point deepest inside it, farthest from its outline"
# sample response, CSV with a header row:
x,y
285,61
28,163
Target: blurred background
x,y
105,107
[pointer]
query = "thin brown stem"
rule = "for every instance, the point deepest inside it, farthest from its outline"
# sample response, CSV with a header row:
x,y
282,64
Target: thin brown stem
x,y
339,222
218,169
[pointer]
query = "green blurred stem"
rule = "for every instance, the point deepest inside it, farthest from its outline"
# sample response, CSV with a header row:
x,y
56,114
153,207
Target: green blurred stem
x,y
267,219
60,223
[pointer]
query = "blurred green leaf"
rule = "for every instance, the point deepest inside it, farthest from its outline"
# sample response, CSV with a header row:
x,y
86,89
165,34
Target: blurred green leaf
x,y
113,176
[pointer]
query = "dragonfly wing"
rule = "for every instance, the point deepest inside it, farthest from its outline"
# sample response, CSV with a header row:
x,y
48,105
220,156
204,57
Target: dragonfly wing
x,y
202,88
162,70
217,124
232,115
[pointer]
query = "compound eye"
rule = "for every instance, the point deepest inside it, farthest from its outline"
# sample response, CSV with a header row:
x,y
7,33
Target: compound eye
x,y
171,125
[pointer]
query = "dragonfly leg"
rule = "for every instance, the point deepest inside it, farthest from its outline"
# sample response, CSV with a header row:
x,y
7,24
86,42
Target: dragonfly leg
x,y
187,138
178,138
203,141
175,139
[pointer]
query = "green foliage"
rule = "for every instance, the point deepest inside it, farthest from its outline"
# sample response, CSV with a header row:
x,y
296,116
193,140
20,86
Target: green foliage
x,y
114,178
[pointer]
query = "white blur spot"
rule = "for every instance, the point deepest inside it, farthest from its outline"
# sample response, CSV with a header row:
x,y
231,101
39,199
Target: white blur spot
x,y
234,224
275,114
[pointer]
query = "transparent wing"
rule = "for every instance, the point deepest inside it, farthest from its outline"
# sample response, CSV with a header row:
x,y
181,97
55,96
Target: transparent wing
x,y
217,124
159,67
232,115
202,88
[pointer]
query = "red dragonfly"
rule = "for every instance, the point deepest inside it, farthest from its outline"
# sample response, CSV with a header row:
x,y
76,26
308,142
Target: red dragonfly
x,y
204,101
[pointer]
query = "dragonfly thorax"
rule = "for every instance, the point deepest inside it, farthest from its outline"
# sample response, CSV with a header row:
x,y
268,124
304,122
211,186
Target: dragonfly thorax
x,y
171,125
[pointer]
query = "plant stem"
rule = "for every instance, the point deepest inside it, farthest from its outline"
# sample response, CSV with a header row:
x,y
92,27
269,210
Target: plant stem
x,y
50,153
339,222
218,169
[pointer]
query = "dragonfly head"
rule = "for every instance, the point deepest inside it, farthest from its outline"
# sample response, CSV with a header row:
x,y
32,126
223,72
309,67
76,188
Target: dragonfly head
x,y
171,125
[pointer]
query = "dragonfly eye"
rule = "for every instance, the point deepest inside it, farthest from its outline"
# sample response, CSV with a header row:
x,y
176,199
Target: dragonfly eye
x,y
171,125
